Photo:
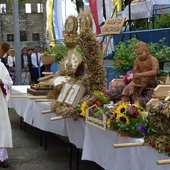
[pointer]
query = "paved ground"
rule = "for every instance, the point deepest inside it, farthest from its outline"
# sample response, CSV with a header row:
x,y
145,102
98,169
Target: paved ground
x,y
27,153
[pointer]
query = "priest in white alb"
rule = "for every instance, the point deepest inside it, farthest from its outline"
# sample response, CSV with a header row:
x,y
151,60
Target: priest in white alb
x,y
5,125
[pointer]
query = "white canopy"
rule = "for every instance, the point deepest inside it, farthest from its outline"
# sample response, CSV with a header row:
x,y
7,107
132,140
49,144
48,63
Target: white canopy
x,y
145,9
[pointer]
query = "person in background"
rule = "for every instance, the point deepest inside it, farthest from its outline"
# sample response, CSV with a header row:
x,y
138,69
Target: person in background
x,y
6,59
3,60
5,125
26,67
37,65
11,64
30,51
39,49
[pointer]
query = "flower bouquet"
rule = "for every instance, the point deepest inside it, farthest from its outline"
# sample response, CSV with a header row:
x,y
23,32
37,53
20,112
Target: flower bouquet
x,y
158,130
125,118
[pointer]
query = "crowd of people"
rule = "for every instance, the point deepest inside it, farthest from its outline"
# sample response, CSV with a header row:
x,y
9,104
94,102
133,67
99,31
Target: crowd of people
x,y
31,65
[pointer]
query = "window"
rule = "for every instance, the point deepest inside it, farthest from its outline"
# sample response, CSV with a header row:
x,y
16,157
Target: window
x,y
2,8
27,8
35,37
40,8
23,36
10,37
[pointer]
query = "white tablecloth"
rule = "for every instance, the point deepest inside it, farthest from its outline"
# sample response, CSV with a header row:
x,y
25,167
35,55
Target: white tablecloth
x,y
76,132
31,112
97,144
143,9
98,147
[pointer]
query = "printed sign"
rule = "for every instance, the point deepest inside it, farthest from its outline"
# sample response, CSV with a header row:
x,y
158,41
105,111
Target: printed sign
x,y
113,26
95,117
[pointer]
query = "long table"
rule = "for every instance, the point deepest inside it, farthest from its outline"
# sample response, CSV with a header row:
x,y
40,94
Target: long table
x,y
144,9
98,147
97,144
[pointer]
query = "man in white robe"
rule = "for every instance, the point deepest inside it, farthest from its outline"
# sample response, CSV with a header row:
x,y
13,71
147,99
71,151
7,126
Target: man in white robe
x,y
5,125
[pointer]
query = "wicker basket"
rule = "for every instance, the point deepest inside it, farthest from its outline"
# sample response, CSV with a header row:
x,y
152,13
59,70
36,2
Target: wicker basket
x,y
48,59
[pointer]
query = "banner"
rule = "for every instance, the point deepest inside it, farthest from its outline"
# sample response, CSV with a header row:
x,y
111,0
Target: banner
x,y
49,24
57,19
119,5
109,8
94,11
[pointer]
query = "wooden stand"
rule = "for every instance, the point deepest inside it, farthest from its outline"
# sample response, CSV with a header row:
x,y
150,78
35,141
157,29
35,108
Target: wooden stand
x,y
34,92
163,162
124,145
46,111
57,118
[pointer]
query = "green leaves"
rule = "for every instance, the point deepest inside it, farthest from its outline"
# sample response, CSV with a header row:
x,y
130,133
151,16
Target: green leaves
x,y
19,1
59,50
125,54
160,50
162,21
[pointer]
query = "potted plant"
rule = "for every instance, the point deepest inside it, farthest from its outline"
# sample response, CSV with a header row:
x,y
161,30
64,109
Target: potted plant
x,y
53,54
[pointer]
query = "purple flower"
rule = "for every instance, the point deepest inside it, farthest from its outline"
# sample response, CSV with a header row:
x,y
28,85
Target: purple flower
x,y
160,105
142,129
109,114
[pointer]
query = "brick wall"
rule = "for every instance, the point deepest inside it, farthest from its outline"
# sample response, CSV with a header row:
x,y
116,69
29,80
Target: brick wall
x,y
30,23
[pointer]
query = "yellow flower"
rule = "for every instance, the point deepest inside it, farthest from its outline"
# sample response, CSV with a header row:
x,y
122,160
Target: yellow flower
x,y
83,109
108,123
121,108
139,108
122,118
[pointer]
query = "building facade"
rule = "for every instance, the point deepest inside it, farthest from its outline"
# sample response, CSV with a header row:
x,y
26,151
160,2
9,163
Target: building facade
x,y
32,21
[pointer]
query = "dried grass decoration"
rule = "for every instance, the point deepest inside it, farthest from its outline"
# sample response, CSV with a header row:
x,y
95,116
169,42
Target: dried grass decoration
x,y
70,32
95,74
158,135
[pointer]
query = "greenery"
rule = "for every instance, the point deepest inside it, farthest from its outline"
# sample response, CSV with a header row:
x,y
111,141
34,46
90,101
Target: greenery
x,y
19,1
160,50
131,128
125,54
163,73
162,21
60,51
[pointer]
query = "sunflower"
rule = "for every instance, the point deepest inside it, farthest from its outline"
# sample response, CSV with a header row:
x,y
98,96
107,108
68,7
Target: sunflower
x,y
122,118
108,123
121,108
138,106
84,106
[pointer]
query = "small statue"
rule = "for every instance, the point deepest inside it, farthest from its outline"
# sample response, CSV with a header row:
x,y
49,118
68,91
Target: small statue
x,y
145,70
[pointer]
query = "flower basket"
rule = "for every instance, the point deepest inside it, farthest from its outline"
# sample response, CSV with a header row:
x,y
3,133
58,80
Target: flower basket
x,y
94,121
48,59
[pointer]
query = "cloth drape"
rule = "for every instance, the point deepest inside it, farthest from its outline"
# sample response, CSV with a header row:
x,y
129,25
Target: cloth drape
x,y
94,11
58,19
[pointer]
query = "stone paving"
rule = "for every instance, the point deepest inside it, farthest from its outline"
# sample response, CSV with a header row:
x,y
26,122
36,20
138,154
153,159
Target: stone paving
x,y
27,153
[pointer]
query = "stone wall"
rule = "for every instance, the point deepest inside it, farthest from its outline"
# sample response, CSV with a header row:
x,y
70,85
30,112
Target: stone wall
x,y
32,25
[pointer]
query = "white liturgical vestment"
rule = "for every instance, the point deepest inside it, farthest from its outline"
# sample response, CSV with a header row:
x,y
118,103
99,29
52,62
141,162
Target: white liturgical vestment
x,y
5,125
